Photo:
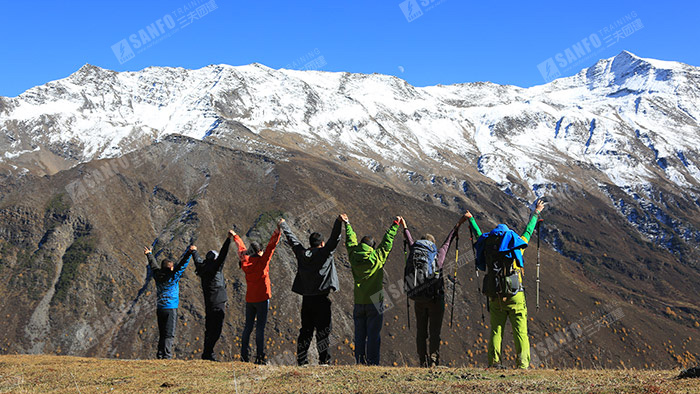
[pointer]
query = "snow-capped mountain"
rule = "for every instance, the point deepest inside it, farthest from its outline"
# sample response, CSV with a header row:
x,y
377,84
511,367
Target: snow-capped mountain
x,y
633,119
626,121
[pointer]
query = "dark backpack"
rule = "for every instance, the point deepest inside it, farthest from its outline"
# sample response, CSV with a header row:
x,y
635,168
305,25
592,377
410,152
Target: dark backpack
x,y
422,278
501,279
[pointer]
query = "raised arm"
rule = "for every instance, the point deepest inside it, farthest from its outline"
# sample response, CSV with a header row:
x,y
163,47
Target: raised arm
x,y
406,233
297,247
151,260
387,243
224,250
442,252
199,265
182,264
472,223
242,256
530,228
272,244
350,236
334,239
198,260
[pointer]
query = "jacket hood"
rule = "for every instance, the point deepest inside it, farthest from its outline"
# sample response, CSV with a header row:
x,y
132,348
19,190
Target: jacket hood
x,y
500,230
511,243
212,255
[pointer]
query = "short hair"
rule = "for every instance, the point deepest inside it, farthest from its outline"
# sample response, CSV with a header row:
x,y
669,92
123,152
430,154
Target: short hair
x,y
167,263
428,237
315,239
254,249
369,241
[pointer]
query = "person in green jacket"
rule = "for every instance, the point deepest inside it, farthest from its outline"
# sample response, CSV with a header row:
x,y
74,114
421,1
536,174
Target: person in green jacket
x,y
367,264
511,308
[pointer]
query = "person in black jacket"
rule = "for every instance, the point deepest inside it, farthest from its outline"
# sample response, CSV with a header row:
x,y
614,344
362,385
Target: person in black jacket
x,y
316,277
210,273
167,277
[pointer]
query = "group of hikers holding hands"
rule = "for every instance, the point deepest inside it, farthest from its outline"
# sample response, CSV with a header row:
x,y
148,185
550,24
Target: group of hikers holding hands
x,y
498,252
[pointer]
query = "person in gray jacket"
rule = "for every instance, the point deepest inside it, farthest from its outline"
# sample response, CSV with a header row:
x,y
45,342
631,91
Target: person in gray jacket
x,y
316,277
210,272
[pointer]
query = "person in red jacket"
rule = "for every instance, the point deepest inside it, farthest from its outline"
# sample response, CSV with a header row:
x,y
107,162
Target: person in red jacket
x,y
256,264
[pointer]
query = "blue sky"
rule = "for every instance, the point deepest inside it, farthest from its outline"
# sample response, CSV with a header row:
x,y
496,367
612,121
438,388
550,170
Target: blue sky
x,y
446,41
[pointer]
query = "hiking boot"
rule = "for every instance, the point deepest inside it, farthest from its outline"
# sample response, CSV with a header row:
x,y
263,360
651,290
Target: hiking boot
x,y
260,359
434,360
689,373
423,362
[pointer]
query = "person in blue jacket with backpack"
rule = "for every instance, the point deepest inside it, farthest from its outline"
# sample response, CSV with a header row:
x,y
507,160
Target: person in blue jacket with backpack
x,y
167,277
425,286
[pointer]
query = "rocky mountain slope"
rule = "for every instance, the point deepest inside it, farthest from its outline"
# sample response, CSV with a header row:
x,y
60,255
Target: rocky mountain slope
x,y
174,156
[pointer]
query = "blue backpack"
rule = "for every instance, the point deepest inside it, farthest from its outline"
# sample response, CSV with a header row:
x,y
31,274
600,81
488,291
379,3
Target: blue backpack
x,y
422,279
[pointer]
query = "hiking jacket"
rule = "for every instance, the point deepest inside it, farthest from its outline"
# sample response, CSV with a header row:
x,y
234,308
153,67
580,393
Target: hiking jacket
x,y
211,275
367,263
168,282
316,273
257,269
525,237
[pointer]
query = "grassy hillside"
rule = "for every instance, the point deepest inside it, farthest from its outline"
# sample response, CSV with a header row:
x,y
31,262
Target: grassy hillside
x,y
61,374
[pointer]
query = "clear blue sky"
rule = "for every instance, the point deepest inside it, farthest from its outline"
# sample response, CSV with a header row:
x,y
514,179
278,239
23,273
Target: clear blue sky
x,y
454,41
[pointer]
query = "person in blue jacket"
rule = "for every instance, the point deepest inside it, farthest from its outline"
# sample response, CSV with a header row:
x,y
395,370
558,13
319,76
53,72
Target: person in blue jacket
x,y
167,277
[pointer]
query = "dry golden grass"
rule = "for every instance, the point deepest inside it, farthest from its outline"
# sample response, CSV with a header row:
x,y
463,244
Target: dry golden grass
x,y
57,374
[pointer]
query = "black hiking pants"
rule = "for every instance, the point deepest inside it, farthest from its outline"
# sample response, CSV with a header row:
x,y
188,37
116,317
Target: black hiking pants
x,y
315,315
167,319
429,314
212,331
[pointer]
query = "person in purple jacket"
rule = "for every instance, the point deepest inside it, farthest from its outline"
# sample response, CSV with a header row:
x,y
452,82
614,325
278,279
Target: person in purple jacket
x,y
429,298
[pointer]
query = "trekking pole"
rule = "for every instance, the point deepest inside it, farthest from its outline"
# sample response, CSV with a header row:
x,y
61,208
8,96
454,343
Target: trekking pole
x,y
478,287
539,226
405,255
454,283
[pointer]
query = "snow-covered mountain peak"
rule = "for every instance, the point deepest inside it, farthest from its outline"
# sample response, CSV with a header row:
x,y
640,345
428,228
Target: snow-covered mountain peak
x,y
633,73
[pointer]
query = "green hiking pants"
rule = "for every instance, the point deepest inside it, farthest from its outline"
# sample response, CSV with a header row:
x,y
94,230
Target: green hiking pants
x,y
512,308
